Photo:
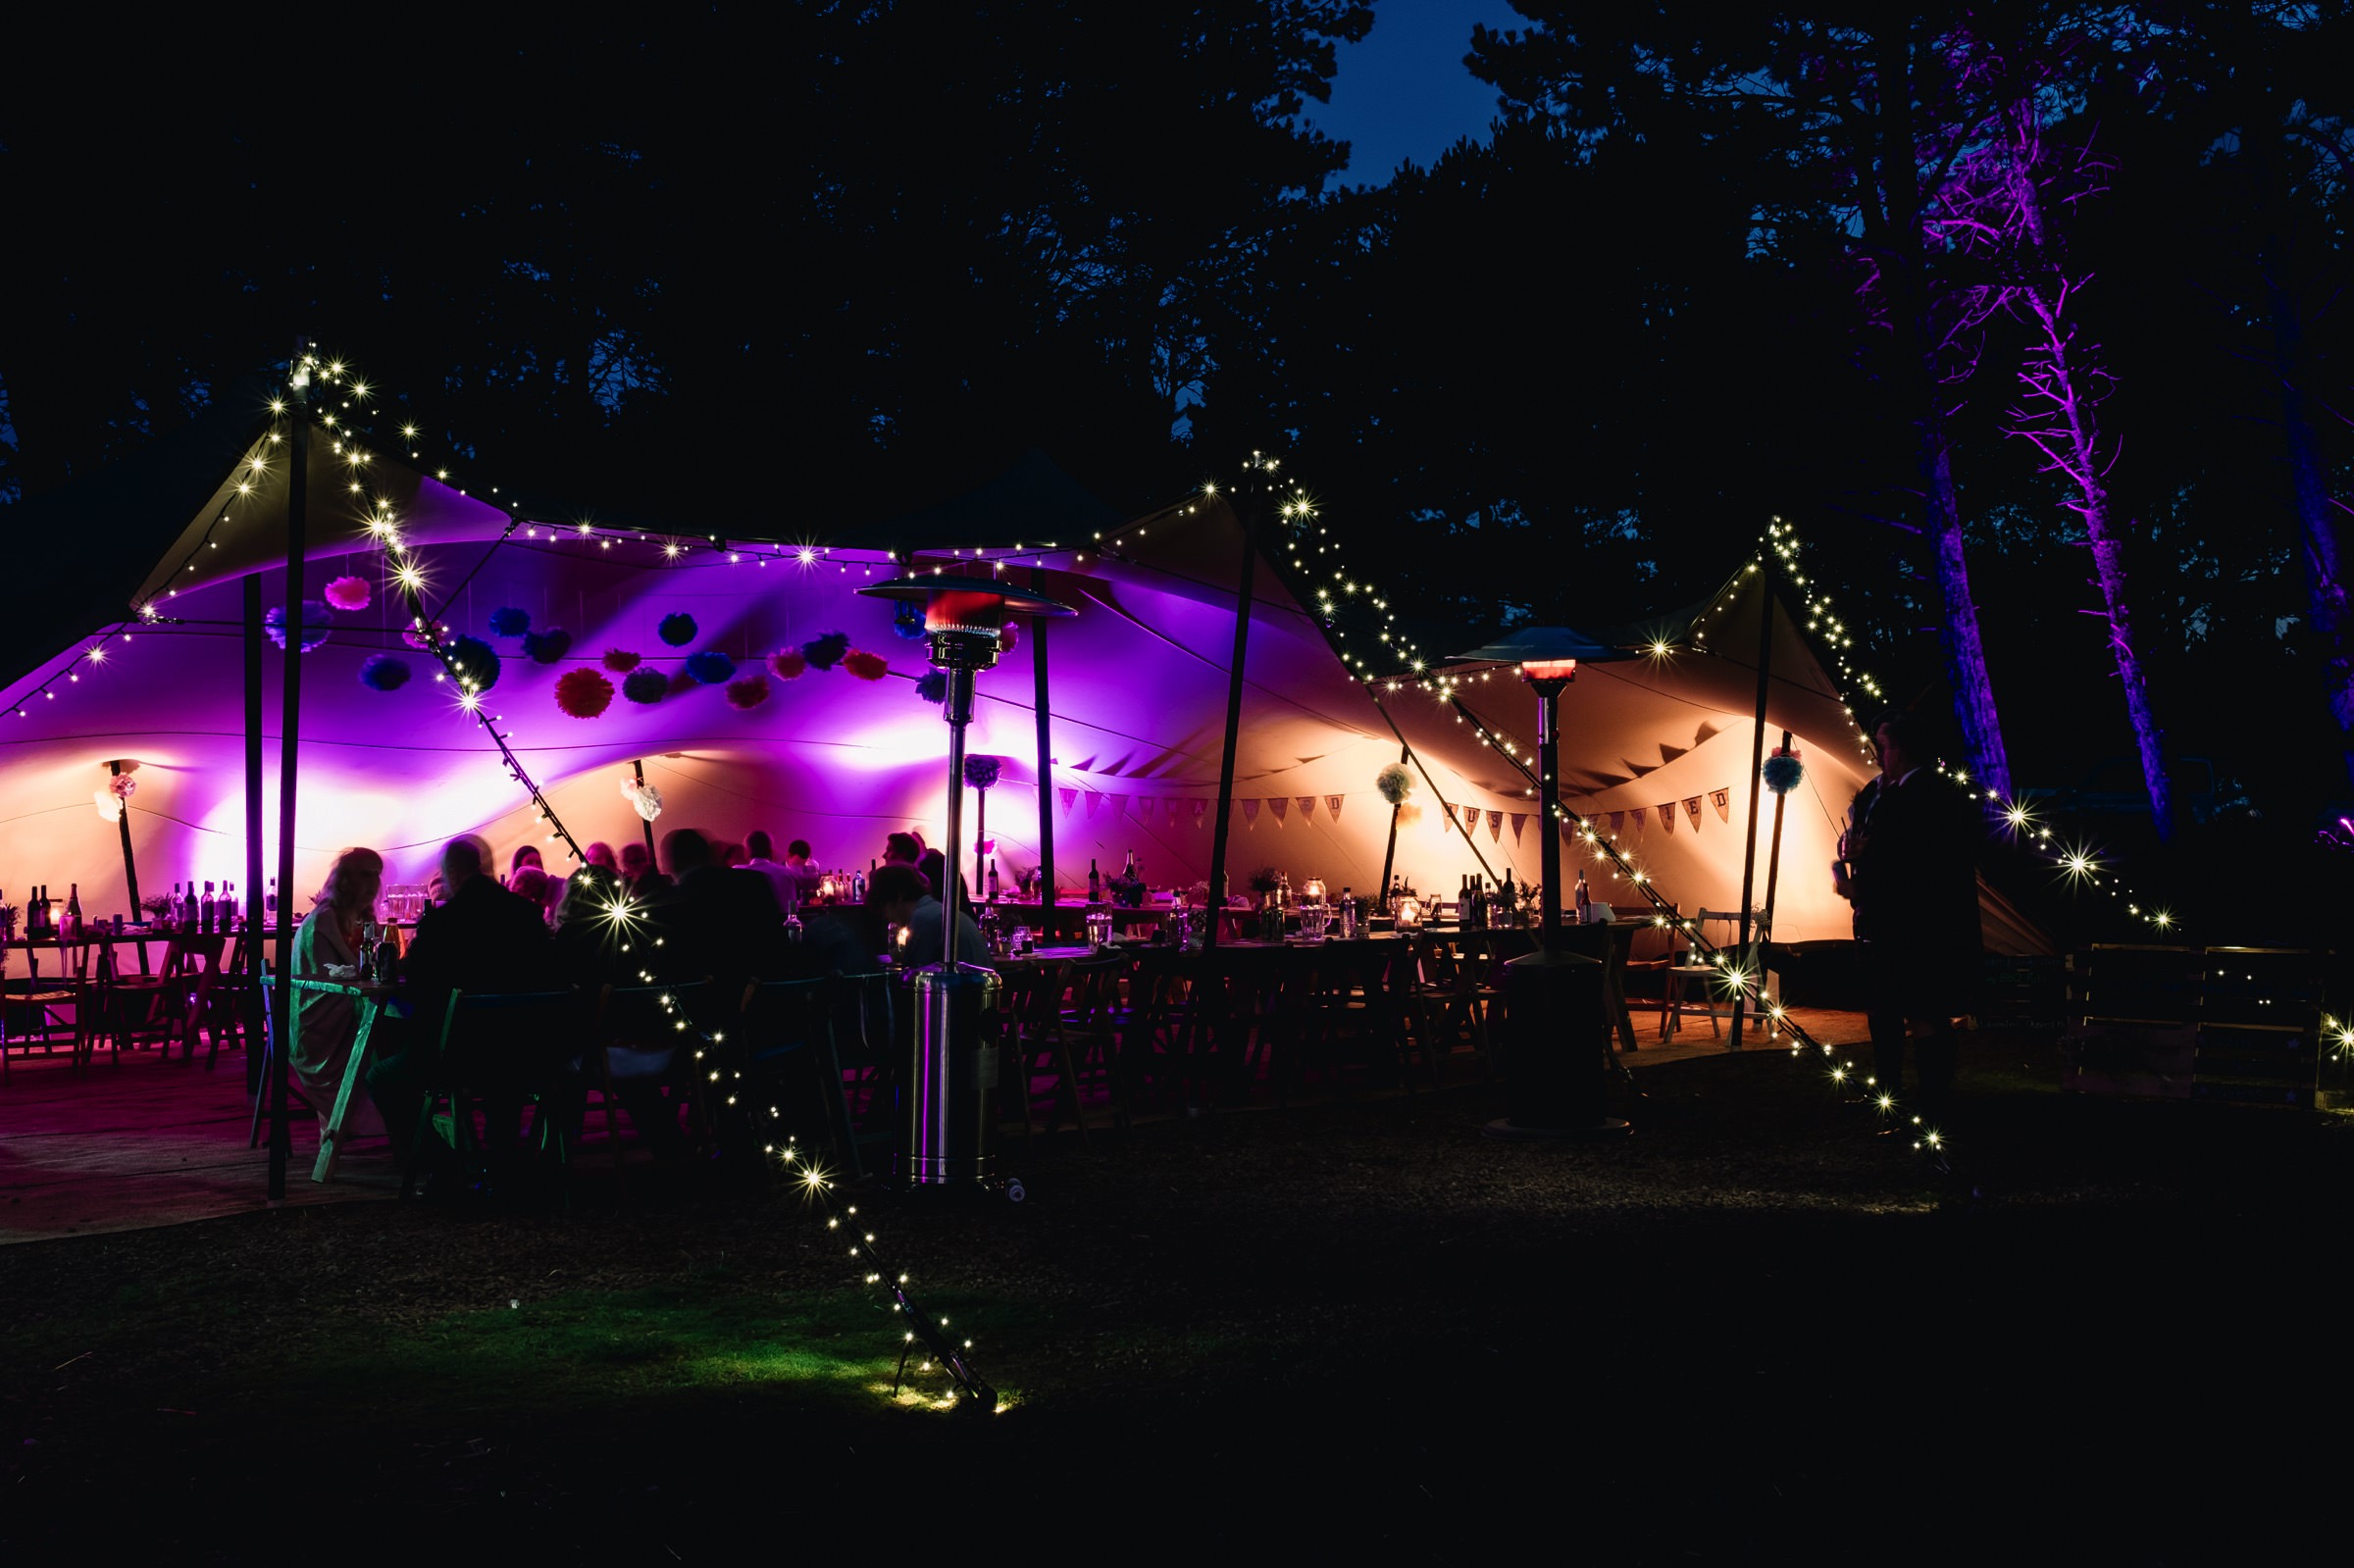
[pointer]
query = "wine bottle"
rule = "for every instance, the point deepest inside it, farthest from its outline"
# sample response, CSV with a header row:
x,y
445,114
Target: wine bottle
x,y
1094,883
270,901
72,930
1348,913
206,910
1585,902
994,885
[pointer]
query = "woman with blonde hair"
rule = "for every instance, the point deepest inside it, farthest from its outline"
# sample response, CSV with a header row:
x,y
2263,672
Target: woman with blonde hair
x,y
326,1026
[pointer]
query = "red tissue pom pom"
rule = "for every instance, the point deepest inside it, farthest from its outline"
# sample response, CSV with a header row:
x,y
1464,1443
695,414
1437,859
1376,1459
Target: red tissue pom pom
x,y
867,666
789,665
583,693
748,692
621,661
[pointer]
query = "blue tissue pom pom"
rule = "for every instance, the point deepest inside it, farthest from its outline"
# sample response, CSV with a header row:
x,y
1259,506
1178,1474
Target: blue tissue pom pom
x,y
934,686
677,630
547,647
477,661
1782,773
711,666
385,672
646,684
511,621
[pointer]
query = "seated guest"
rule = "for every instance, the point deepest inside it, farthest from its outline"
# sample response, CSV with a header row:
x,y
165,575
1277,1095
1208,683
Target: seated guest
x,y
906,900
538,887
327,1026
802,861
600,853
732,856
594,950
901,849
525,855
484,940
591,942
715,921
933,867
637,873
763,860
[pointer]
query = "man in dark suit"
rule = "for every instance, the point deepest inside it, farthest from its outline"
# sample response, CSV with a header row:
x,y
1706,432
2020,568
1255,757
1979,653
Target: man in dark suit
x,y
1908,866
717,921
481,940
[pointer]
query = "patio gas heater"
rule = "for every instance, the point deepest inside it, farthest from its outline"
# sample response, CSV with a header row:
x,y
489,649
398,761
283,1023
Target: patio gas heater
x,y
1558,1070
944,1127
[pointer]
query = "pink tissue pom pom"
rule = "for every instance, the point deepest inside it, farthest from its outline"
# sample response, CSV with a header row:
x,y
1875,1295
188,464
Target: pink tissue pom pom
x,y
348,594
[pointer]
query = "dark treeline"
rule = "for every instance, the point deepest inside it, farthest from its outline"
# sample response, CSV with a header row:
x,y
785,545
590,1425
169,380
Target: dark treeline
x,y
785,270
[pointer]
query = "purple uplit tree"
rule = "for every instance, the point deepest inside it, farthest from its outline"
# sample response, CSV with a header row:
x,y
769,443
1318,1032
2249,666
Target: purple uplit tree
x,y
2005,194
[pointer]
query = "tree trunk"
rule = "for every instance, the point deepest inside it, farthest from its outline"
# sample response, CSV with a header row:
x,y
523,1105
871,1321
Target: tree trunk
x,y
2309,487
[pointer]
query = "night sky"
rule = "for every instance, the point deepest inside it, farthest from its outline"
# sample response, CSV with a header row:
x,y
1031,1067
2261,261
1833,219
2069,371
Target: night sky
x,y
1403,93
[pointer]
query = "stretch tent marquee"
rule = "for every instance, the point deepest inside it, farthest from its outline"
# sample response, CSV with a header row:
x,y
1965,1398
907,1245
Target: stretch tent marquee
x,y
1137,684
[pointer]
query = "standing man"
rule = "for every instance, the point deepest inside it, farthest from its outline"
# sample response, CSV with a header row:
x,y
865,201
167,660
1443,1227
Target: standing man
x,y
1908,865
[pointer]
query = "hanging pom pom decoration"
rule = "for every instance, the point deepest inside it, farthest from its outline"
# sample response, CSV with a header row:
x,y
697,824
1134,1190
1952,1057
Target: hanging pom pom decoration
x,y
547,647
621,661
908,624
646,686
415,640
867,666
385,672
511,621
124,786
474,660
644,798
933,685
1395,782
981,772
1782,771
583,693
110,807
786,666
316,618
348,594
748,692
824,653
711,666
677,630
1010,638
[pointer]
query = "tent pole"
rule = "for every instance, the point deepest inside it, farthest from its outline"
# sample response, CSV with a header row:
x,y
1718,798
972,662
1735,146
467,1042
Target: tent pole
x,y
1246,510
255,964
1756,765
1045,763
1773,872
637,770
298,483
131,865
1389,853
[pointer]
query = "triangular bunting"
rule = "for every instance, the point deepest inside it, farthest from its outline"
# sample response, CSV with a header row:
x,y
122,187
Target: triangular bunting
x,y
1281,805
1520,820
1094,800
1070,798
1200,811
1666,816
1722,800
1692,810
1495,826
1143,806
1617,823
1638,813
1308,807
1332,806
1119,803
1249,814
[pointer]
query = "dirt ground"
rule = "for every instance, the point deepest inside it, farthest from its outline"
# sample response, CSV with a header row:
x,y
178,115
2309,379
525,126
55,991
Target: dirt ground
x,y
1754,1325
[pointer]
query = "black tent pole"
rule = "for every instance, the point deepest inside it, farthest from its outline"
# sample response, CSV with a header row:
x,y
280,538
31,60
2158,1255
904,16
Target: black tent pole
x,y
1773,872
1756,765
298,483
254,927
1389,851
131,867
1046,764
637,770
1246,510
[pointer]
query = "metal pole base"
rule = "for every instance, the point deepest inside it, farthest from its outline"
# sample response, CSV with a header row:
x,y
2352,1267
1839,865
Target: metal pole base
x,y
1557,1050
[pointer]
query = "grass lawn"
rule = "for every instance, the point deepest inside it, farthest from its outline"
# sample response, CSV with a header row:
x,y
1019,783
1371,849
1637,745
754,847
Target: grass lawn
x,y
1361,1327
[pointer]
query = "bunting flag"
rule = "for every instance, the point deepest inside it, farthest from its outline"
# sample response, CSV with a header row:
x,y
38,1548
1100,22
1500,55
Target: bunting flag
x,y
1667,815
1332,807
1495,826
1281,805
1722,799
1143,807
1308,808
1249,814
1637,813
1617,821
1070,798
1200,811
1692,810
1519,821
1093,801
1119,803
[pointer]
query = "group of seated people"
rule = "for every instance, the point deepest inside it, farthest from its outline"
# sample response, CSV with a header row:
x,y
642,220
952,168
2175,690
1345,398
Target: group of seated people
x,y
795,879
696,918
